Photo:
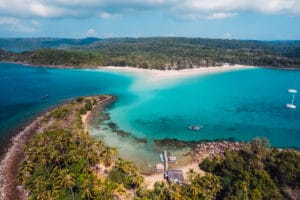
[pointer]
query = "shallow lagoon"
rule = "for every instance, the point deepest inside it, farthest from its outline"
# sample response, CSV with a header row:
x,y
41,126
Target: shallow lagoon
x,y
240,104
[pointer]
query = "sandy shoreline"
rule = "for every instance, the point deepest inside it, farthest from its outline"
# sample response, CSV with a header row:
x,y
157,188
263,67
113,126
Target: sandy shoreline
x,y
161,74
197,154
11,159
97,67
14,155
153,77
89,115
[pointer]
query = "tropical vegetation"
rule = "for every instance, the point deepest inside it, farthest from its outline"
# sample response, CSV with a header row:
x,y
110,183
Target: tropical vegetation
x,y
162,53
259,172
62,161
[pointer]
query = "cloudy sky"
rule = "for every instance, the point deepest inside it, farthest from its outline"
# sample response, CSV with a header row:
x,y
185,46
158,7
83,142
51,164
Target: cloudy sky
x,y
232,19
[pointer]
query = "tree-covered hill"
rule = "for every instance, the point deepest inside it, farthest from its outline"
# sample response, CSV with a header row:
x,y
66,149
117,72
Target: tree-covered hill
x,y
30,44
164,53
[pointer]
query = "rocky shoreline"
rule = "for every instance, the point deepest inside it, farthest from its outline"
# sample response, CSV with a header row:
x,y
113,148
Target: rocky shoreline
x,y
9,164
217,148
9,186
198,150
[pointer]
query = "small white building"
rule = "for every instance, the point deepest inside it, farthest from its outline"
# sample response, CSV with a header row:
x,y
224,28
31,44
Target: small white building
x,y
172,159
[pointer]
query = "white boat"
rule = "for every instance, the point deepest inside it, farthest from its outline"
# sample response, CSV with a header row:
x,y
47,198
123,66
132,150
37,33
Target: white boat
x,y
291,90
44,97
161,156
291,105
195,127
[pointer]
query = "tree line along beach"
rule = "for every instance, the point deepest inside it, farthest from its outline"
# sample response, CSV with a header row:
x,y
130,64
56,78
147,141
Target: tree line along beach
x,y
71,121
103,163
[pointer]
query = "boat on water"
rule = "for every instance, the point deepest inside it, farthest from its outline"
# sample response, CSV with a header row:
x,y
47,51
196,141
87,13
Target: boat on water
x,y
292,90
44,97
291,105
195,128
161,156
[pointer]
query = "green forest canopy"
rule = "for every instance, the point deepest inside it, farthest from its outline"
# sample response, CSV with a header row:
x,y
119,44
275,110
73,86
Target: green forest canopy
x,y
60,164
163,53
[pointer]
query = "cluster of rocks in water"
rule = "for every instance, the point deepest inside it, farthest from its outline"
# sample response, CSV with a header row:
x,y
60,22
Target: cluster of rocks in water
x,y
213,149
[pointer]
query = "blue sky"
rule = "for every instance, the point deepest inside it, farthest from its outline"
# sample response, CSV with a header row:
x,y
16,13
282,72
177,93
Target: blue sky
x,y
231,19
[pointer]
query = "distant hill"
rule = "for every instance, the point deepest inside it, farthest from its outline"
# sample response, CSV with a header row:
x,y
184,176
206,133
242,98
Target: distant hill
x,y
30,44
161,53
287,48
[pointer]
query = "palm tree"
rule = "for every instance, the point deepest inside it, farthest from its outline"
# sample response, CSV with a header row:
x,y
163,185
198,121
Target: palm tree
x,y
44,162
66,180
99,146
69,183
87,190
192,175
124,166
92,157
55,157
107,156
39,188
120,191
135,179
113,151
26,168
160,190
195,190
209,185
175,192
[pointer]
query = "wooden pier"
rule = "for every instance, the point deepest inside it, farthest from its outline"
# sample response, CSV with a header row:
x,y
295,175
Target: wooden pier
x,y
166,161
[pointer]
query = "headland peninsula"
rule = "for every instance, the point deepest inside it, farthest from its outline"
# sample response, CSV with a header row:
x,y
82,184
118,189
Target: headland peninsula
x,y
55,157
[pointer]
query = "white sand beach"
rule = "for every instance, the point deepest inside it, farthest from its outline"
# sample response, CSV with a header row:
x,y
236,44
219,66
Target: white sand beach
x,y
152,78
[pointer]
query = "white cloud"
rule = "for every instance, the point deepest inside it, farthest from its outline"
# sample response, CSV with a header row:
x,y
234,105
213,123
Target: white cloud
x,y
269,6
91,33
8,20
221,15
213,9
106,15
15,25
212,16
227,36
35,23
110,35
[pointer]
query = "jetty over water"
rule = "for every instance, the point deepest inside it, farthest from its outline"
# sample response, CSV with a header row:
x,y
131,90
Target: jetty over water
x,y
166,160
172,176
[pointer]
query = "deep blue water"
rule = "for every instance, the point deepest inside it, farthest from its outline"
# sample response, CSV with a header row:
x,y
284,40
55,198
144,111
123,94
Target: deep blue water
x,y
240,104
23,90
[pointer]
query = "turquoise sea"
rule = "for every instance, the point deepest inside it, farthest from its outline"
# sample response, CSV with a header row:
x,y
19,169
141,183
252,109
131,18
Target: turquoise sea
x,y
239,104
27,91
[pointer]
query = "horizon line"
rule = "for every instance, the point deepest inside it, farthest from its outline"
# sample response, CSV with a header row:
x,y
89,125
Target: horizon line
x,y
153,37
